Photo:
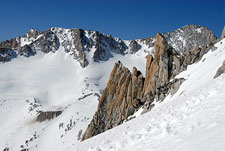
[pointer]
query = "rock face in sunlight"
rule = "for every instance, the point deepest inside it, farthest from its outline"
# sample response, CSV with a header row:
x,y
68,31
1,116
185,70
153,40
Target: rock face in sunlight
x,y
221,70
48,42
157,68
53,86
223,33
126,92
190,36
161,68
121,97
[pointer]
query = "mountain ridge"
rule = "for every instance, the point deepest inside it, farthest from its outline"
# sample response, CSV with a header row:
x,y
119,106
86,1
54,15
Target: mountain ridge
x,y
55,84
92,45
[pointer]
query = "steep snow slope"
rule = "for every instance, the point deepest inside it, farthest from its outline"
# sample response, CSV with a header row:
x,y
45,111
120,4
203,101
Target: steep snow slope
x,y
51,79
192,119
51,82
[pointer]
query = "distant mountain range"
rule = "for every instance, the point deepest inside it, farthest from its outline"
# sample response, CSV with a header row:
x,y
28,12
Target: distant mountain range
x,y
60,87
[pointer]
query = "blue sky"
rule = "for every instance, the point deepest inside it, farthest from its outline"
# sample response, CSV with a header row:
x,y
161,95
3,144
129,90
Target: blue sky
x,y
127,19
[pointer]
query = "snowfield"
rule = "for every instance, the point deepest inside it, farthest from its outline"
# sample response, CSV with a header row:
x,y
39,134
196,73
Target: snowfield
x,y
191,120
52,82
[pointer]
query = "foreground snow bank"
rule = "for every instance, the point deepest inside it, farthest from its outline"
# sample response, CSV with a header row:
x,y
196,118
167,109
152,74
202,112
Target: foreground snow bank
x,y
191,120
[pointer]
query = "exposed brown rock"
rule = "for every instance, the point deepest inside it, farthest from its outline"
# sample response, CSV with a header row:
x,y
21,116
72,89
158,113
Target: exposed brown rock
x,y
134,46
221,70
191,57
194,55
157,70
12,44
148,75
119,100
47,115
223,33
126,92
78,43
160,93
33,33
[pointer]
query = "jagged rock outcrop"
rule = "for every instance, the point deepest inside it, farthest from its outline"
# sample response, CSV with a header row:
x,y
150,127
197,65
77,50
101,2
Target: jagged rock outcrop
x,y
121,97
16,43
194,55
221,70
86,46
165,64
103,45
189,36
134,46
7,54
149,42
185,38
26,51
126,92
32,34
48,42
78,36
223,33
47,115
160,93
11,44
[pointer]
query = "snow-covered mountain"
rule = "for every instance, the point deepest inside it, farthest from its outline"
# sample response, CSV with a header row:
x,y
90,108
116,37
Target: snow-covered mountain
x,y
51,83
88,46
192,119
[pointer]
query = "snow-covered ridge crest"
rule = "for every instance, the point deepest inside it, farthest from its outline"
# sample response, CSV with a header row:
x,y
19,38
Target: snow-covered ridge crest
x,y
87,46
189,36
50,84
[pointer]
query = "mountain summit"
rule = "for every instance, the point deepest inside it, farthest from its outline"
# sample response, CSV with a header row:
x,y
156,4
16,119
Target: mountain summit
x,y
74,89
87,46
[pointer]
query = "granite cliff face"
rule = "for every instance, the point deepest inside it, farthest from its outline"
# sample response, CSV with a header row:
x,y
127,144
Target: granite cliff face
x,y
223,33
126,92
121,97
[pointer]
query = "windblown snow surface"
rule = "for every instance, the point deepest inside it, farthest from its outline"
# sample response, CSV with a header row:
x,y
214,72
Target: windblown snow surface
x,y
191,120
52,82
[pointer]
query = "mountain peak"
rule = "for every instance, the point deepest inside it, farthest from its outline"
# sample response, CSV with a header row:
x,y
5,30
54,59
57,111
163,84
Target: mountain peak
x,y
86,45
32,33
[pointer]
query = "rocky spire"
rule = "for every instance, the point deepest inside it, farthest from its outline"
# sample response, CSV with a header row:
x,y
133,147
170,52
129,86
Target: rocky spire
x,y
126,92
32,33
223,33
157,70
119,100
